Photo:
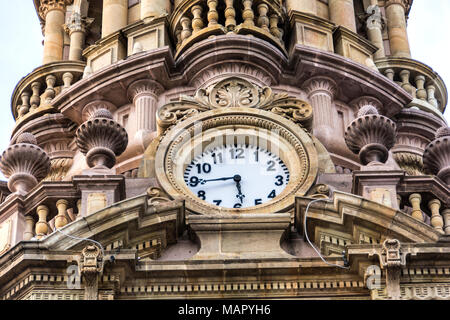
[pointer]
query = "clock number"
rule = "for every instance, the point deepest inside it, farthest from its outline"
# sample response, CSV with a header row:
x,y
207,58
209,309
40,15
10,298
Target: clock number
x,y
279,180
201,194
217,202
193,182
237,153
237,205
258,201
271,165
217,158
206,167
272,195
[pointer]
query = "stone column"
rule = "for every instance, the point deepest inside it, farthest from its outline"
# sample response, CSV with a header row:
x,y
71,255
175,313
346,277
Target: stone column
x,y
53,12
342,13
374,27
306,6
154,8
115,16
77,32
321,92
144,94
396,24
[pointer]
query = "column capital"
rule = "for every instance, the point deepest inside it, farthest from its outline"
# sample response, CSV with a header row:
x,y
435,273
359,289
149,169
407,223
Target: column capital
x,y
49,5
78,23
144,87
320,84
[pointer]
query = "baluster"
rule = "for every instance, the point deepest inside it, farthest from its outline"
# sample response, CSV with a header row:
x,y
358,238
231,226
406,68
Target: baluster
x,y
67,79
197,22
50,91
213,15
263,20
415,200
178,36
421,93
186,32
389,73
431,95
247,13
28,234
61,218
404,75
274,30
25,107
35,100
399,200
446,215
79,215
42,225
230,15
436,219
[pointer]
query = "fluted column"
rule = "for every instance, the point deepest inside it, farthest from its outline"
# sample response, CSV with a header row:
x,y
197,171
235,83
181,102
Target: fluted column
x,y
53,12
307,6
115,16
396,24
342,13
374,25
154,8
144,94
77,32
321,92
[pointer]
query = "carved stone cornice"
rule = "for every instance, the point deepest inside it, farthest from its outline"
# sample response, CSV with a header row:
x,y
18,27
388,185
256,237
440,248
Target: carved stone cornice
x,y
144,87
371,136
25,164
436,158
321,84
49,5
101,139
78,23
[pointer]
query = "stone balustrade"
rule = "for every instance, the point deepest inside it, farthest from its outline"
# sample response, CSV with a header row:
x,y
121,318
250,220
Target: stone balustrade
x,y
37,89
424,84
193,21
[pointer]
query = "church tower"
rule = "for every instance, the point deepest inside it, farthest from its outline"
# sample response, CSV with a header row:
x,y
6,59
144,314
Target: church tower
x,y
226,149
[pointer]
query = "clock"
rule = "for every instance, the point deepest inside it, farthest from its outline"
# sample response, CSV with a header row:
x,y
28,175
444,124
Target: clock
x,y
237,176
236,160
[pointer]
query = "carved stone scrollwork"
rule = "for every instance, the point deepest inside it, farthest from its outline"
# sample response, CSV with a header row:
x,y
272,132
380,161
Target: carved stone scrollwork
x,y
25,164
235,93
371,136
320,191
101,139
156,196
436,158
90,266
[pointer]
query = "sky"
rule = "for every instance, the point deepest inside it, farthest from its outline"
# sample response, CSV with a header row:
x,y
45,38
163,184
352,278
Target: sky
x,y
21,50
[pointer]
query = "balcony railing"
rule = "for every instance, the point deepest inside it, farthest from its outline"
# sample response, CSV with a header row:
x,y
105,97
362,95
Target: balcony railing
x,y
193,21
37,89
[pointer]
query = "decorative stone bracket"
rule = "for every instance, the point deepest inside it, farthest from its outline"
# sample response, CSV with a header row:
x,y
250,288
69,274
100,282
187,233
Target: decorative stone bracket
x,y
90,266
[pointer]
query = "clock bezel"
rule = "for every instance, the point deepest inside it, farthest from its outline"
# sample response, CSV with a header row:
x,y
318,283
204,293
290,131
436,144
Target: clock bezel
x,y
188,135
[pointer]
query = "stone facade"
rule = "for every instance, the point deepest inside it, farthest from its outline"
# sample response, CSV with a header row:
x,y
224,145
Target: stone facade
x,y
134,97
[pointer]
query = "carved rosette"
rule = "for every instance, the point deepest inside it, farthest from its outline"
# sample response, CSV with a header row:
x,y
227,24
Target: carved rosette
x,y
25,164
371,136
101,139
436,158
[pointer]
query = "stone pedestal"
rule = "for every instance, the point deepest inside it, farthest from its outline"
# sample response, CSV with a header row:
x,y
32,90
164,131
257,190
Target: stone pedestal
x,y
106,51
311,31
98,192
240,236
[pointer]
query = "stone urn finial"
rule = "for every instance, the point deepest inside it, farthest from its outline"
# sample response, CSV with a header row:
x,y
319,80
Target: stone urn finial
x,y
371,135
436,157
25,164
101,139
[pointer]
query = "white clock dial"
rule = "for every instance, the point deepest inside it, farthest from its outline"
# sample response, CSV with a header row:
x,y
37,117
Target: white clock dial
x,y
236,176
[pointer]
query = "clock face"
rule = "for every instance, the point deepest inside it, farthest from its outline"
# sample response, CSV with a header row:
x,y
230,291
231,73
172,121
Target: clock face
x,y
236,176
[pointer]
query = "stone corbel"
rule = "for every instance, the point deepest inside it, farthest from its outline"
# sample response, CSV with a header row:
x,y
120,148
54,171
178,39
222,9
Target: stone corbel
x,y
90,266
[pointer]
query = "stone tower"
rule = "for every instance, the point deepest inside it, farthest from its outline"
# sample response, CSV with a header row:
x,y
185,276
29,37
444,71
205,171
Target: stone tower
x,y
226,149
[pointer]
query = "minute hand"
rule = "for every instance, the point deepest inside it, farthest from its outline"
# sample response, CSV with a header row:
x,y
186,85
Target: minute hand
x,y
218,179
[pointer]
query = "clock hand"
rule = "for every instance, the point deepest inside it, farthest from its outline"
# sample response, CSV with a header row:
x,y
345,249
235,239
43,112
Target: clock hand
x,y
218,179
237,179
